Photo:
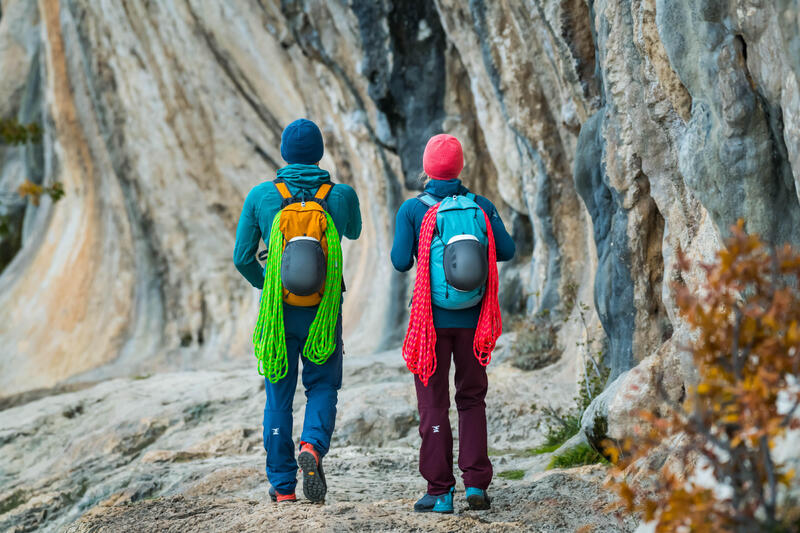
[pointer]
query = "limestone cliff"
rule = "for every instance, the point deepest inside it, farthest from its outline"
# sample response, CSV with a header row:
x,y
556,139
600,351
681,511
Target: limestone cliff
x,y
611,134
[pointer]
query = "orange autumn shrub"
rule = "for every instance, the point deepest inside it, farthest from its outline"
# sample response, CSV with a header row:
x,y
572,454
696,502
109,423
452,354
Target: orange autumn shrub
x,y
746,348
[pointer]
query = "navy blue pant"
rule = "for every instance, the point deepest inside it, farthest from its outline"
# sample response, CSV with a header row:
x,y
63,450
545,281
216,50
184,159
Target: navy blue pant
x,y
321,383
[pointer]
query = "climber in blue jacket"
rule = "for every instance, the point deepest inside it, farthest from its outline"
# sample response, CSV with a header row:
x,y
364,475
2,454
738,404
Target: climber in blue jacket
x,y
406,233
302,148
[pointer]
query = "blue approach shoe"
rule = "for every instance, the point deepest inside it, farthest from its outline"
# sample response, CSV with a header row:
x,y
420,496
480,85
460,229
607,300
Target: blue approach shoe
x,y
425,504
444,502
477,499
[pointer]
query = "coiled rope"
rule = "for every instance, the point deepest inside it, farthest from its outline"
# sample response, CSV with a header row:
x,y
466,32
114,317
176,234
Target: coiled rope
x,y
321,340
419,346
490,323
269,338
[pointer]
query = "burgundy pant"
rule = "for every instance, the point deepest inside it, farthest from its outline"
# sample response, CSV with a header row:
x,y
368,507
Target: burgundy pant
x,y
433,401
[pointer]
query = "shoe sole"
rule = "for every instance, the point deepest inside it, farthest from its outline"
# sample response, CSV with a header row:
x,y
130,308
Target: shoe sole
x,y
314,486
477,503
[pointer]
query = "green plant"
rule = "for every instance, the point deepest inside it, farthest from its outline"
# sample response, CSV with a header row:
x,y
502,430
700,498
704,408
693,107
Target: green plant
x,y
13,132
595,372
544,448
579,455
12,501
11,223
570,297
35,191
561,426
512,474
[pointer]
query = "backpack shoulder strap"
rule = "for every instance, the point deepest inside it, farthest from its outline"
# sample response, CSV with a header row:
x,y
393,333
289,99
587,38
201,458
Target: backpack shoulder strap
x,y
323,191
427,199
283,190
470,195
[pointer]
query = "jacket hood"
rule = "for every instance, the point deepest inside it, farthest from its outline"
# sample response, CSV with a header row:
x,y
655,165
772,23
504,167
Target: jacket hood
x,y
442,188
304,176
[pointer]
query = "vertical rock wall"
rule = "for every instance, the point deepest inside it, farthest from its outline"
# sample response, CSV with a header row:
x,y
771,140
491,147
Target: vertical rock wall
x,y
610,134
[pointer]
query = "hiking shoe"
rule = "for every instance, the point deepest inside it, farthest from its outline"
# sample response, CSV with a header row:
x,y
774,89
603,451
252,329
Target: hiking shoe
x,y
425,504
314,486
477,499
275,496
444,502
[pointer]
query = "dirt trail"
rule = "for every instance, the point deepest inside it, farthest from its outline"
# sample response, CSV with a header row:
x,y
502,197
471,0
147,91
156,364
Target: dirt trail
x,y
182,451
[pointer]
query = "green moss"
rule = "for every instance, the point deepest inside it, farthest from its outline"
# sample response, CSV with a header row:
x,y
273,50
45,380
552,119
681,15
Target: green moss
x,y
17,498
527,452
74,497
544,448
502,451
512,474
582,454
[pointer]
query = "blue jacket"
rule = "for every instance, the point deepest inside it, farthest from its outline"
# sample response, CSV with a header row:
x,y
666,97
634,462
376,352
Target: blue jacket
x,y
406,238
264,201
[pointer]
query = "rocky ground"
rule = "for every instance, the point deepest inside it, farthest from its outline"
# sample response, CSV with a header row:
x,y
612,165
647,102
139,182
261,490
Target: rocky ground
x,y
182,451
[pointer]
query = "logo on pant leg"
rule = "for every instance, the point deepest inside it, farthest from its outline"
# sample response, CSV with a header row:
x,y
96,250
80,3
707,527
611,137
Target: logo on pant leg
x,y
275,431
435,429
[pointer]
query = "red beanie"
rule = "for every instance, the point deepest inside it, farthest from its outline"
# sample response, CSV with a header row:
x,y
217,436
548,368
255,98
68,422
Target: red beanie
x,y
443,158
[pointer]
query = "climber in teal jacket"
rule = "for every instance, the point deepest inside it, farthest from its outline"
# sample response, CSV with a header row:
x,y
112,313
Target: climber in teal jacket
x,y
264,201
302,148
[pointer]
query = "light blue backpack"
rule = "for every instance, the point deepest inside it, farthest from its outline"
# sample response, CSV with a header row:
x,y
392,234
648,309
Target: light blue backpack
x,y
459,260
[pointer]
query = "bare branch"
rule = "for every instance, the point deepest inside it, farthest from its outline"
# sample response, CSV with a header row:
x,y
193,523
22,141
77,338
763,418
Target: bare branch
x,y
769,503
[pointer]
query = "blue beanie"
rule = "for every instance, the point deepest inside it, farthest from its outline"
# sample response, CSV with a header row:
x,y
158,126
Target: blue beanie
x,y
301,142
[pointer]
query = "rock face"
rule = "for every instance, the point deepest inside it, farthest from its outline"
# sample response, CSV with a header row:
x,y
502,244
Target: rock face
x,y
609,133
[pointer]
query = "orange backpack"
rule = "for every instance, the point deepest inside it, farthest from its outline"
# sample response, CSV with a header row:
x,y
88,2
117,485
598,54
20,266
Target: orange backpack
x,y
303,224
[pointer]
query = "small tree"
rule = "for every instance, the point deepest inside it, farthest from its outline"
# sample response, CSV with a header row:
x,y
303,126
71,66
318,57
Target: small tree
x,y
35,191
746,318
12,205
13,132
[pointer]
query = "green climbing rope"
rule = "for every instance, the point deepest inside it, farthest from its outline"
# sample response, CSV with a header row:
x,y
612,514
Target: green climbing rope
x,y
269,338
321,340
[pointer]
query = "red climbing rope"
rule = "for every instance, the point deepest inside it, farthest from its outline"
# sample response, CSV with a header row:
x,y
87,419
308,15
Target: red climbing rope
x,y
419,347
490,323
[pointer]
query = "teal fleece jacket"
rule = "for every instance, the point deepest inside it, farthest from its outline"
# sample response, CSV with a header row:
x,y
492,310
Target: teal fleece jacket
x,y
264,201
